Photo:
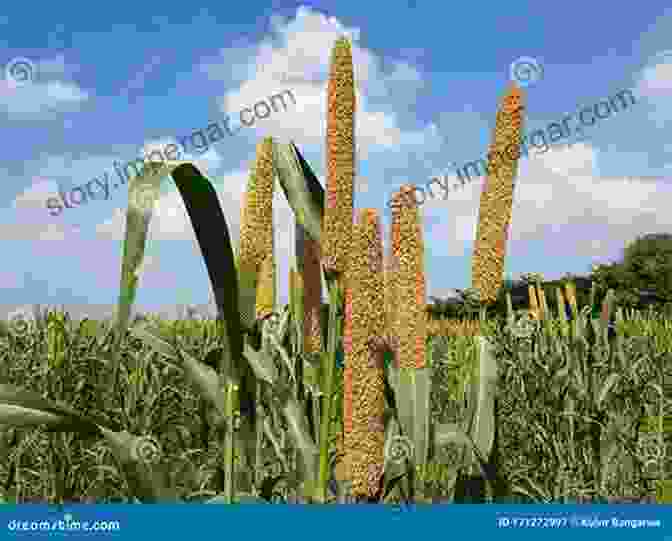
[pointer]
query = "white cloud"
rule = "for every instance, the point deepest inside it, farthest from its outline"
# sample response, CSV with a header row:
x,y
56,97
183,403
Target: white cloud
x,y
36,194
559,199
297,58
208,162
656,78
40,97
171,222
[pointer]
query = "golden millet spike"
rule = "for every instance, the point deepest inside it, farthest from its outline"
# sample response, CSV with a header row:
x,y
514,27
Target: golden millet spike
x,y
256,228
408,250
265,304
367,441
534,305
338,212
497,198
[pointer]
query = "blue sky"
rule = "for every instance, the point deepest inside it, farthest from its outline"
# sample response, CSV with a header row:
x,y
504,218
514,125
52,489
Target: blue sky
x,y
114,82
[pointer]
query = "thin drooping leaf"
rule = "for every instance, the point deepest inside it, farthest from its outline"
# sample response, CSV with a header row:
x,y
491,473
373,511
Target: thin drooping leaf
x,y
156,342
303,191
412,388
147,482
606,388
299,432
263,367
202,377
143,192
450,436
482,426
275,442
421,405
24,408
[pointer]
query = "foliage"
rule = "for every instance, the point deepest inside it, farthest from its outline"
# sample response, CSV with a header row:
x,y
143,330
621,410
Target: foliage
x,y
644,276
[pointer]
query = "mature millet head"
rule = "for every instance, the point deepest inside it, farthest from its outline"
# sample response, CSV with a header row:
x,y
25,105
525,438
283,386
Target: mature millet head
x,y
256,228
338,212
408,250
497,197
265,302
390,278
365,358
534,305
560,301
543,306
570,290
454,327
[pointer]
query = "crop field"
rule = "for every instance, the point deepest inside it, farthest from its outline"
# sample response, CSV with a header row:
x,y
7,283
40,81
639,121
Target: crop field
x,y
558,380
366,399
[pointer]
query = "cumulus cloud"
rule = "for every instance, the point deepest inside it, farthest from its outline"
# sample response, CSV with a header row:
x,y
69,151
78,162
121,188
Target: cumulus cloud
x,y
560,199
295,58
44,95
170,220
656,77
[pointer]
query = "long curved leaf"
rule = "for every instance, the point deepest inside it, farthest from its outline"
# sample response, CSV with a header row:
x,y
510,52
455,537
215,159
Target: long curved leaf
x,y
21,407
143,191
298,429
303,191
214,240
482,425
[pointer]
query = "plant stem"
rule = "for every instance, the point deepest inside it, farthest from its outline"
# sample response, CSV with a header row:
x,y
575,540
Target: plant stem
x,y
229,445
328,382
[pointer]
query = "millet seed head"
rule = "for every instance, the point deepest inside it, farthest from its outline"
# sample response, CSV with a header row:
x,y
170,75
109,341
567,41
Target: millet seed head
x,y
534,305
560,299
543,306
366,446
256,230
570,290
408,249
497,198
338,214
265,304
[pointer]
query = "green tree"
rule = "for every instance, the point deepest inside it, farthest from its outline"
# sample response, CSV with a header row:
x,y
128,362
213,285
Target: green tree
x,y
646,266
